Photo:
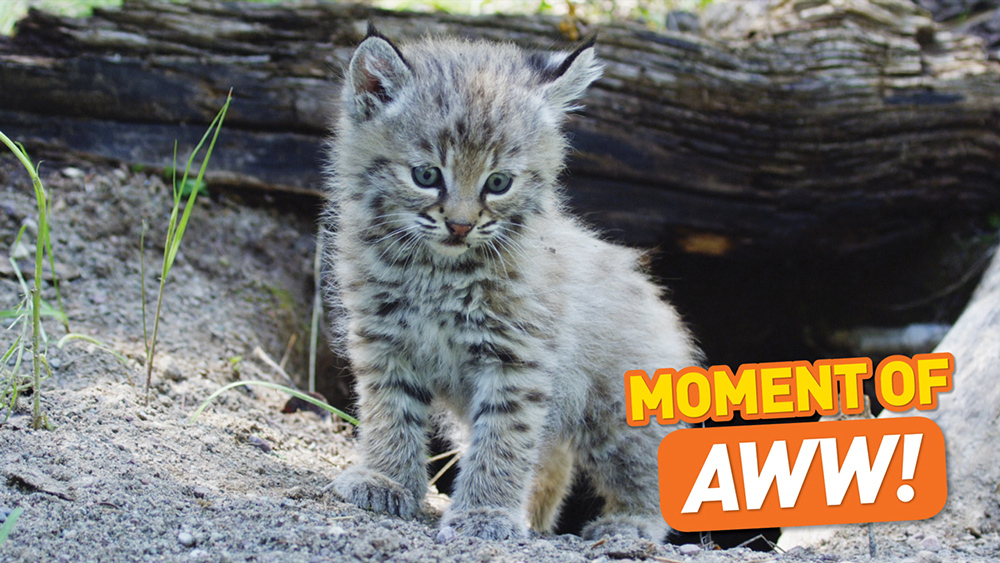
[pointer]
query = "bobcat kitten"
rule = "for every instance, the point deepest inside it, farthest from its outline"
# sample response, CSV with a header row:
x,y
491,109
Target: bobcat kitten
x,y
462,283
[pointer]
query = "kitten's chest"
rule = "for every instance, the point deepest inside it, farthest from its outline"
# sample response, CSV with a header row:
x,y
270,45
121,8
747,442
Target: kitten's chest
x,y
437,316
441,326
447,317
447,323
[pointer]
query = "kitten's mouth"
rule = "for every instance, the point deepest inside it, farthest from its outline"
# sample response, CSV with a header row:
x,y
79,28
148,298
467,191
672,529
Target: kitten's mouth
x,y
453,246
455,241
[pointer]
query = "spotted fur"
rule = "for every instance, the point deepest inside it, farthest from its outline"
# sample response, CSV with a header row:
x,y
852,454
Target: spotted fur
x,y
498,307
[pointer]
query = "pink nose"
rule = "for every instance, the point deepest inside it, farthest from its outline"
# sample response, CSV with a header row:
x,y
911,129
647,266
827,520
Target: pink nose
x,y
458,229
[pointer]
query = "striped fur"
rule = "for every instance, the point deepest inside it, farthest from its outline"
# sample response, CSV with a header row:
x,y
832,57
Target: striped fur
x,y
498,307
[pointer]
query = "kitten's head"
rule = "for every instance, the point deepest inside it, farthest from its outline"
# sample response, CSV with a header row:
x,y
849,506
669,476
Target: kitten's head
x,y
448,146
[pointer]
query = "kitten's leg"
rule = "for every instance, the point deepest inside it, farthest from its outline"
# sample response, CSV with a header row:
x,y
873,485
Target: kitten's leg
x,y
552,481
623,470
392,477
491,493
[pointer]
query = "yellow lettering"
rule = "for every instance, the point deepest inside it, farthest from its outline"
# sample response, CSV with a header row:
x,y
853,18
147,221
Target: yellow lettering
x,y
814,389
697,378
770,391
644,396
743,392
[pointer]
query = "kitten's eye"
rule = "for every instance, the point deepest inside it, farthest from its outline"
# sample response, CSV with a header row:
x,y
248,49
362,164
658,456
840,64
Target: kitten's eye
x,y
498,183
427,176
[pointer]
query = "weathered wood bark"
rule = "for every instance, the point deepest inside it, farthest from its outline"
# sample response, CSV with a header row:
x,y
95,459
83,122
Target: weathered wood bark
x,y
803,126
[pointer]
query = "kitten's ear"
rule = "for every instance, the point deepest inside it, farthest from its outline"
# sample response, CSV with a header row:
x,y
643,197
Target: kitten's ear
x,y
566,77
376,74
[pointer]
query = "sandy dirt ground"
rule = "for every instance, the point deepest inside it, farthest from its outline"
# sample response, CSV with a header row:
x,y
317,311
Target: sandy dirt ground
x,y
117,479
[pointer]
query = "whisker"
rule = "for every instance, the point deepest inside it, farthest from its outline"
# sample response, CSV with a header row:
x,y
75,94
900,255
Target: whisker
x,y
395,232
409,242
400,237
386,218
492,246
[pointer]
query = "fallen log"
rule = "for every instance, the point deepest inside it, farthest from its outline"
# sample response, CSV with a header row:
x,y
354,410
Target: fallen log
x,y
792,127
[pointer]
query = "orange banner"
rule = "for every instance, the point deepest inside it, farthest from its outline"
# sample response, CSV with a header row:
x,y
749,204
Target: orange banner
x,y
815,473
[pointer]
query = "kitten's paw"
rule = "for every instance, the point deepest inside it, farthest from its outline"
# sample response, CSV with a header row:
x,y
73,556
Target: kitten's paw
x,y
486,523
650,527
372,490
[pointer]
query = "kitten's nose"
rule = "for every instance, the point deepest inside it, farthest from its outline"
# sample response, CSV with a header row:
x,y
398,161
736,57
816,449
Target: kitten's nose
x,y
458,229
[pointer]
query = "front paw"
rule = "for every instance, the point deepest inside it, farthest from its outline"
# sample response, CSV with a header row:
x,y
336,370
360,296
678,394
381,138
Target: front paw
x,y
372,490
648,527
485,523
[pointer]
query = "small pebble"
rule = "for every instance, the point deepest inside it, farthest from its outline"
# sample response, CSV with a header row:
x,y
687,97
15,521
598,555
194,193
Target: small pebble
x,y
71,172
797,551
335,531
197,554
386,523
259,443
445,534
689,549
172,370
931,543
186,539
201,492
928,557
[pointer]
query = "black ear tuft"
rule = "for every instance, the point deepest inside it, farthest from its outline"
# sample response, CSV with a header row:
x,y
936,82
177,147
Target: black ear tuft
x,y
566,76
587,43
543,63
374,32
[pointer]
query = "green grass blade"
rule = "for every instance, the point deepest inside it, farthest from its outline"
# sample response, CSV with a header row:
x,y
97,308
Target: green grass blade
x,y
189,206
142,282
289,390
317,314
168,260
13,263
20,154
63,318
100,344
19,345
175,231
10,351
46,310
37,337
37,419
8,525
